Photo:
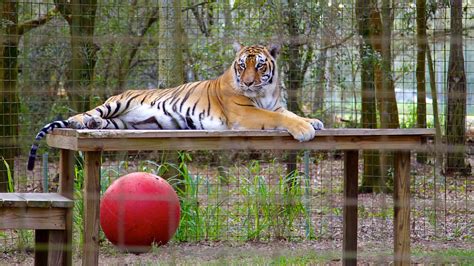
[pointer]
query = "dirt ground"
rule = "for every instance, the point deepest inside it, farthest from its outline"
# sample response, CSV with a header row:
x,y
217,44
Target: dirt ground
x,y
275,252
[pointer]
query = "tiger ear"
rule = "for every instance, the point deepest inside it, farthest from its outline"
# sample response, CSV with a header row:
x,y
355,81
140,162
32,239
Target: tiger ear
x,y
274,49
237,46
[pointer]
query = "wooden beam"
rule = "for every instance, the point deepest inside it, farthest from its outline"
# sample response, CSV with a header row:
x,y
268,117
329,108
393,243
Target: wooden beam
x,y
339,139
351,174
34,200
401,200
91,208
126,133
32,218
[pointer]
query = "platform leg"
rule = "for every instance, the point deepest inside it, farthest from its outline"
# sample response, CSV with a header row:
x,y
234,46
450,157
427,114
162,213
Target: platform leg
x,y
41,247
91,208
58,243
401,199
66,188
351,174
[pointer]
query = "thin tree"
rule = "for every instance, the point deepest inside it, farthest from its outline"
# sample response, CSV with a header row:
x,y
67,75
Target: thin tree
x,y
172,44
456,106
11,30
296,58
80,15
381,25
132,46
371,172
420,69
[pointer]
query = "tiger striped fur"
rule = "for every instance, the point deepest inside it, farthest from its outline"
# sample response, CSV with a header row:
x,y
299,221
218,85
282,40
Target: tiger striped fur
x,y
245,96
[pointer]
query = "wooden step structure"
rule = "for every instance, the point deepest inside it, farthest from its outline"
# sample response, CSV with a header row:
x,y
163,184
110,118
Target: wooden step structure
x,y
49,214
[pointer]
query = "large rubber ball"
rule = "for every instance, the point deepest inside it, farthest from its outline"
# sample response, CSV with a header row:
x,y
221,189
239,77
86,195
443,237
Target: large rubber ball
x,y
139,209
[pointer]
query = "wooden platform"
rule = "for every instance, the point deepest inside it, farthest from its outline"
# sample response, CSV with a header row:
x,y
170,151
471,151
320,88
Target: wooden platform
x,y
328,139
351,141
33,211
50,215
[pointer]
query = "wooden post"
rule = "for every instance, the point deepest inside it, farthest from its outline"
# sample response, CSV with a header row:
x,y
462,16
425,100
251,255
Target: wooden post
x,y
41,247
401,198
66,188
91,208
351,174
54,247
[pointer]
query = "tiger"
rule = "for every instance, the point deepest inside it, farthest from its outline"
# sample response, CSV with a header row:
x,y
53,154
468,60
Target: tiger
x,y
247,96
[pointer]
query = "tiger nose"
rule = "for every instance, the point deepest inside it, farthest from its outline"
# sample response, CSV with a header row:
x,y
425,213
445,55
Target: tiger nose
x,y
248,83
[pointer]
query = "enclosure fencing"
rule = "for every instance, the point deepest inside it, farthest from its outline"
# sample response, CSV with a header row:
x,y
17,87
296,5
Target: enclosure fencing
x,y
352,64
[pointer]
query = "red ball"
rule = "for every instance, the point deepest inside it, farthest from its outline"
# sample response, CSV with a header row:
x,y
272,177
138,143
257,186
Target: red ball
x,y
139,209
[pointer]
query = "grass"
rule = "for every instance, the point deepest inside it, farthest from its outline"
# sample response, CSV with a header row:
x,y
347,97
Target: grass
x,y
300,258
260,209
10,183
453,256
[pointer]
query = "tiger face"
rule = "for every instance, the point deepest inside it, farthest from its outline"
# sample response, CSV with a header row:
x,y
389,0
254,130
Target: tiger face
x,y
255,69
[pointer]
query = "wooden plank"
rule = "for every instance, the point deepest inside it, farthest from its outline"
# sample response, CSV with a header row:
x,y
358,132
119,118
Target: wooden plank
x,y
32,218
402,208
35,200
91,208
351,175
110,133
12,200
395,142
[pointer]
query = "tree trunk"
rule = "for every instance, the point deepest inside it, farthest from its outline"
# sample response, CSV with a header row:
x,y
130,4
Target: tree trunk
x,y
296,58
381,23
172,44
9,101
420,70
80,15
456,108
83,53
371,174
318,95
388,102
171,68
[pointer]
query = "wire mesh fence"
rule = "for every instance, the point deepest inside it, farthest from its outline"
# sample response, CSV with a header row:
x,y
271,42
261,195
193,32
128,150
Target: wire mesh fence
x,y
352,64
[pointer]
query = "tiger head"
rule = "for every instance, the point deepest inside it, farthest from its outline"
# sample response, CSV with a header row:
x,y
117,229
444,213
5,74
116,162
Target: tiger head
x,y
254,69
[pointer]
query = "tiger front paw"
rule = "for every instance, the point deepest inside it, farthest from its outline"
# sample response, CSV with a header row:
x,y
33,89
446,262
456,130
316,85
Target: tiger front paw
x,y
316,123
85,122
302,131
93,122
76,123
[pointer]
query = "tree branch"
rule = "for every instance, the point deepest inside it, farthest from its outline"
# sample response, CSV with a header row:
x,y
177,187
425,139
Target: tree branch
x,y
305,40
337,44
34,23
64,8
151,20
199,18
197,5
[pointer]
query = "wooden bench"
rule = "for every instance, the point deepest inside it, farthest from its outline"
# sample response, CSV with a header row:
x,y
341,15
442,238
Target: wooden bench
x,y
49,214
351,141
